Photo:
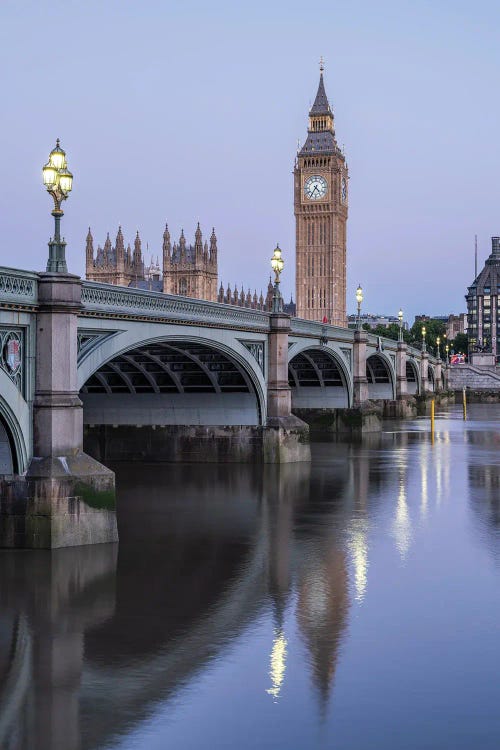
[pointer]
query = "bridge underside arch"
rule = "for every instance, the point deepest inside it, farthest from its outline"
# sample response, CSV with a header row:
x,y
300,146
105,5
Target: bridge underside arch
x,y
317,381
171,383
15,418
431,380
7,454
379,376
412,385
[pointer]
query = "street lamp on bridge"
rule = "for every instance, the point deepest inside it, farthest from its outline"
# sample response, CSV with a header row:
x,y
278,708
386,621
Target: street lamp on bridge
x,y
400,319
359,300
438,343
447,348
424,346
277,264
59,182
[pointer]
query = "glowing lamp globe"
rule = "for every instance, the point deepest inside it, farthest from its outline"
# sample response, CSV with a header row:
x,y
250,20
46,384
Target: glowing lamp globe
x,y
57,157
65,180
49,175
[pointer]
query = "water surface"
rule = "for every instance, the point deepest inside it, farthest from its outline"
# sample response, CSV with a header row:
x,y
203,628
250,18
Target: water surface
x,y
352,603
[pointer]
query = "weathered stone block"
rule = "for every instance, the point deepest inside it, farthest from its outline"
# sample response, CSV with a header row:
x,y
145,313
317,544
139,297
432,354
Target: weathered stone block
x,y
61,502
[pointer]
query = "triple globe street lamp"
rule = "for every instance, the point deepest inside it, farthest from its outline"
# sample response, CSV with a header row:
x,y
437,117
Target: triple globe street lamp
x,y
359,300
277,264
400,321
59,182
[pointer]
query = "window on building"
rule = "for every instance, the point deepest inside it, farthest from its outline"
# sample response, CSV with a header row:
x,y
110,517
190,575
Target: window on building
x,y
183,286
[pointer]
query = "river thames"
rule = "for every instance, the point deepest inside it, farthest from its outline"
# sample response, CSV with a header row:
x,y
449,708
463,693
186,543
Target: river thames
x,y
352,603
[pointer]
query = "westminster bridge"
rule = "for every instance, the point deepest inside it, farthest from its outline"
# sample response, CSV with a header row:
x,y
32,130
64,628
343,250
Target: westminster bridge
x,y
91,373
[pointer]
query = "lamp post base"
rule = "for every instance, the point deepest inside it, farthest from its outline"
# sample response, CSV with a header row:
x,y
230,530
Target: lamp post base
x,y
57,257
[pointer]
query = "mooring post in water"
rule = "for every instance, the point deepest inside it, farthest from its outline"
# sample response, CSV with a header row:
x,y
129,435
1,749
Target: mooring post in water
x,y
464,402
432,420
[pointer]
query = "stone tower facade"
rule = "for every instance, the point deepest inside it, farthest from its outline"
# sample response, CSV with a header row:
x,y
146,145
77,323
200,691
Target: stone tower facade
x,y
320,206
114,265
190,270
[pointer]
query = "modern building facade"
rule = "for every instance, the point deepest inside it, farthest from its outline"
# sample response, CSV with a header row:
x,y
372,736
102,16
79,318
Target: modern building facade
x,y
320,206
482,305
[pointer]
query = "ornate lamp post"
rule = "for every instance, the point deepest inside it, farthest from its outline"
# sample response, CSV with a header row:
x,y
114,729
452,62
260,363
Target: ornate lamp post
x,y
400,319
447,348
59,181
359,300
277,264
438,343
424,346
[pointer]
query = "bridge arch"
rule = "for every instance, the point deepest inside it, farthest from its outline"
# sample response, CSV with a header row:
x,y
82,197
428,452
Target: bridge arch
x,y
431,378
13,441
319,378
381,377
173,380
412,377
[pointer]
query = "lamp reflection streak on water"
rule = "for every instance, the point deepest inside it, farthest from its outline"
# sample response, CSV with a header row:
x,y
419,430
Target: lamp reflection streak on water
x,y
277,663
358,548
438,458
424,488
402,522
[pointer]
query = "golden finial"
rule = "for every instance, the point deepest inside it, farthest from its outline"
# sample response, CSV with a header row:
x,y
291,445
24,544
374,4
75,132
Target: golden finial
x,y
321,64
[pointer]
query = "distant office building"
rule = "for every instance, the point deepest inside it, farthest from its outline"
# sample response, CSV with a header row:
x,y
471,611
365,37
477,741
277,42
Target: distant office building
x,y
375,320
482,304
456,324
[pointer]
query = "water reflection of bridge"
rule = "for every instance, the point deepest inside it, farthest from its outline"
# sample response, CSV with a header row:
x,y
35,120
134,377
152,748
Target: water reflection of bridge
x,y
93,638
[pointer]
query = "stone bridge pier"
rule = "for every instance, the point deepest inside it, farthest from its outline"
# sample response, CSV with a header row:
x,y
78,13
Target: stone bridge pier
x,y
286,438
65,498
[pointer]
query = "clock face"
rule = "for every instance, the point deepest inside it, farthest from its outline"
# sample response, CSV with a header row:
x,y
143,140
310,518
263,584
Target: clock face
x,y
315,188
344,190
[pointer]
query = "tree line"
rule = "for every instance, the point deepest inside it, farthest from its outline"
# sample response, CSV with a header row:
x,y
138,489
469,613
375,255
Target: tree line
x,y
413,336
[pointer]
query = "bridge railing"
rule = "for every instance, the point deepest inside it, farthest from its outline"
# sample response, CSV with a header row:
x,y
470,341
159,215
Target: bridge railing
x,y
313,328
18,287
132,303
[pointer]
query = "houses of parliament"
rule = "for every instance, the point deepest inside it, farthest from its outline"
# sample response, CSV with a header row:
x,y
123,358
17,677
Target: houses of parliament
x,y
320,208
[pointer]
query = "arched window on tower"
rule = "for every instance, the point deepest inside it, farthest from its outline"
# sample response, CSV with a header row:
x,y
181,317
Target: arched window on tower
x,y
183,286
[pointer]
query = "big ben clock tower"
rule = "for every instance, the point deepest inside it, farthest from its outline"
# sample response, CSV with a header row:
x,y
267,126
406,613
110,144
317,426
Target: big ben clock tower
x,y
320,205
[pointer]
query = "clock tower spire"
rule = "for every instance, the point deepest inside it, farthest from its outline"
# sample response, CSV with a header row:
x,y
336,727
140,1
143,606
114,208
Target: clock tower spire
x,y
320,207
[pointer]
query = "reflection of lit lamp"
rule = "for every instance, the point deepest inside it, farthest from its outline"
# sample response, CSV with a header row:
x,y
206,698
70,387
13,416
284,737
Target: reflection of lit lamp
x,y
400,319
278,665
59,182
359,551
359,300
424,347
277,264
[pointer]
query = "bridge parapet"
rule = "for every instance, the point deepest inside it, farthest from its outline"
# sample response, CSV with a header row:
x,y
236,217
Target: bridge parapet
x,y
320,330
18,288
101,299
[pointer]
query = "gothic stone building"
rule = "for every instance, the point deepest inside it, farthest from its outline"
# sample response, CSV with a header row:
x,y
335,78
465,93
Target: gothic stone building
x,y
483,312
320,191
189,270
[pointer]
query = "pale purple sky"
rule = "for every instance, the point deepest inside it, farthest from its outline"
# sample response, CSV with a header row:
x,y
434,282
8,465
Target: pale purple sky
x,y
187,111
